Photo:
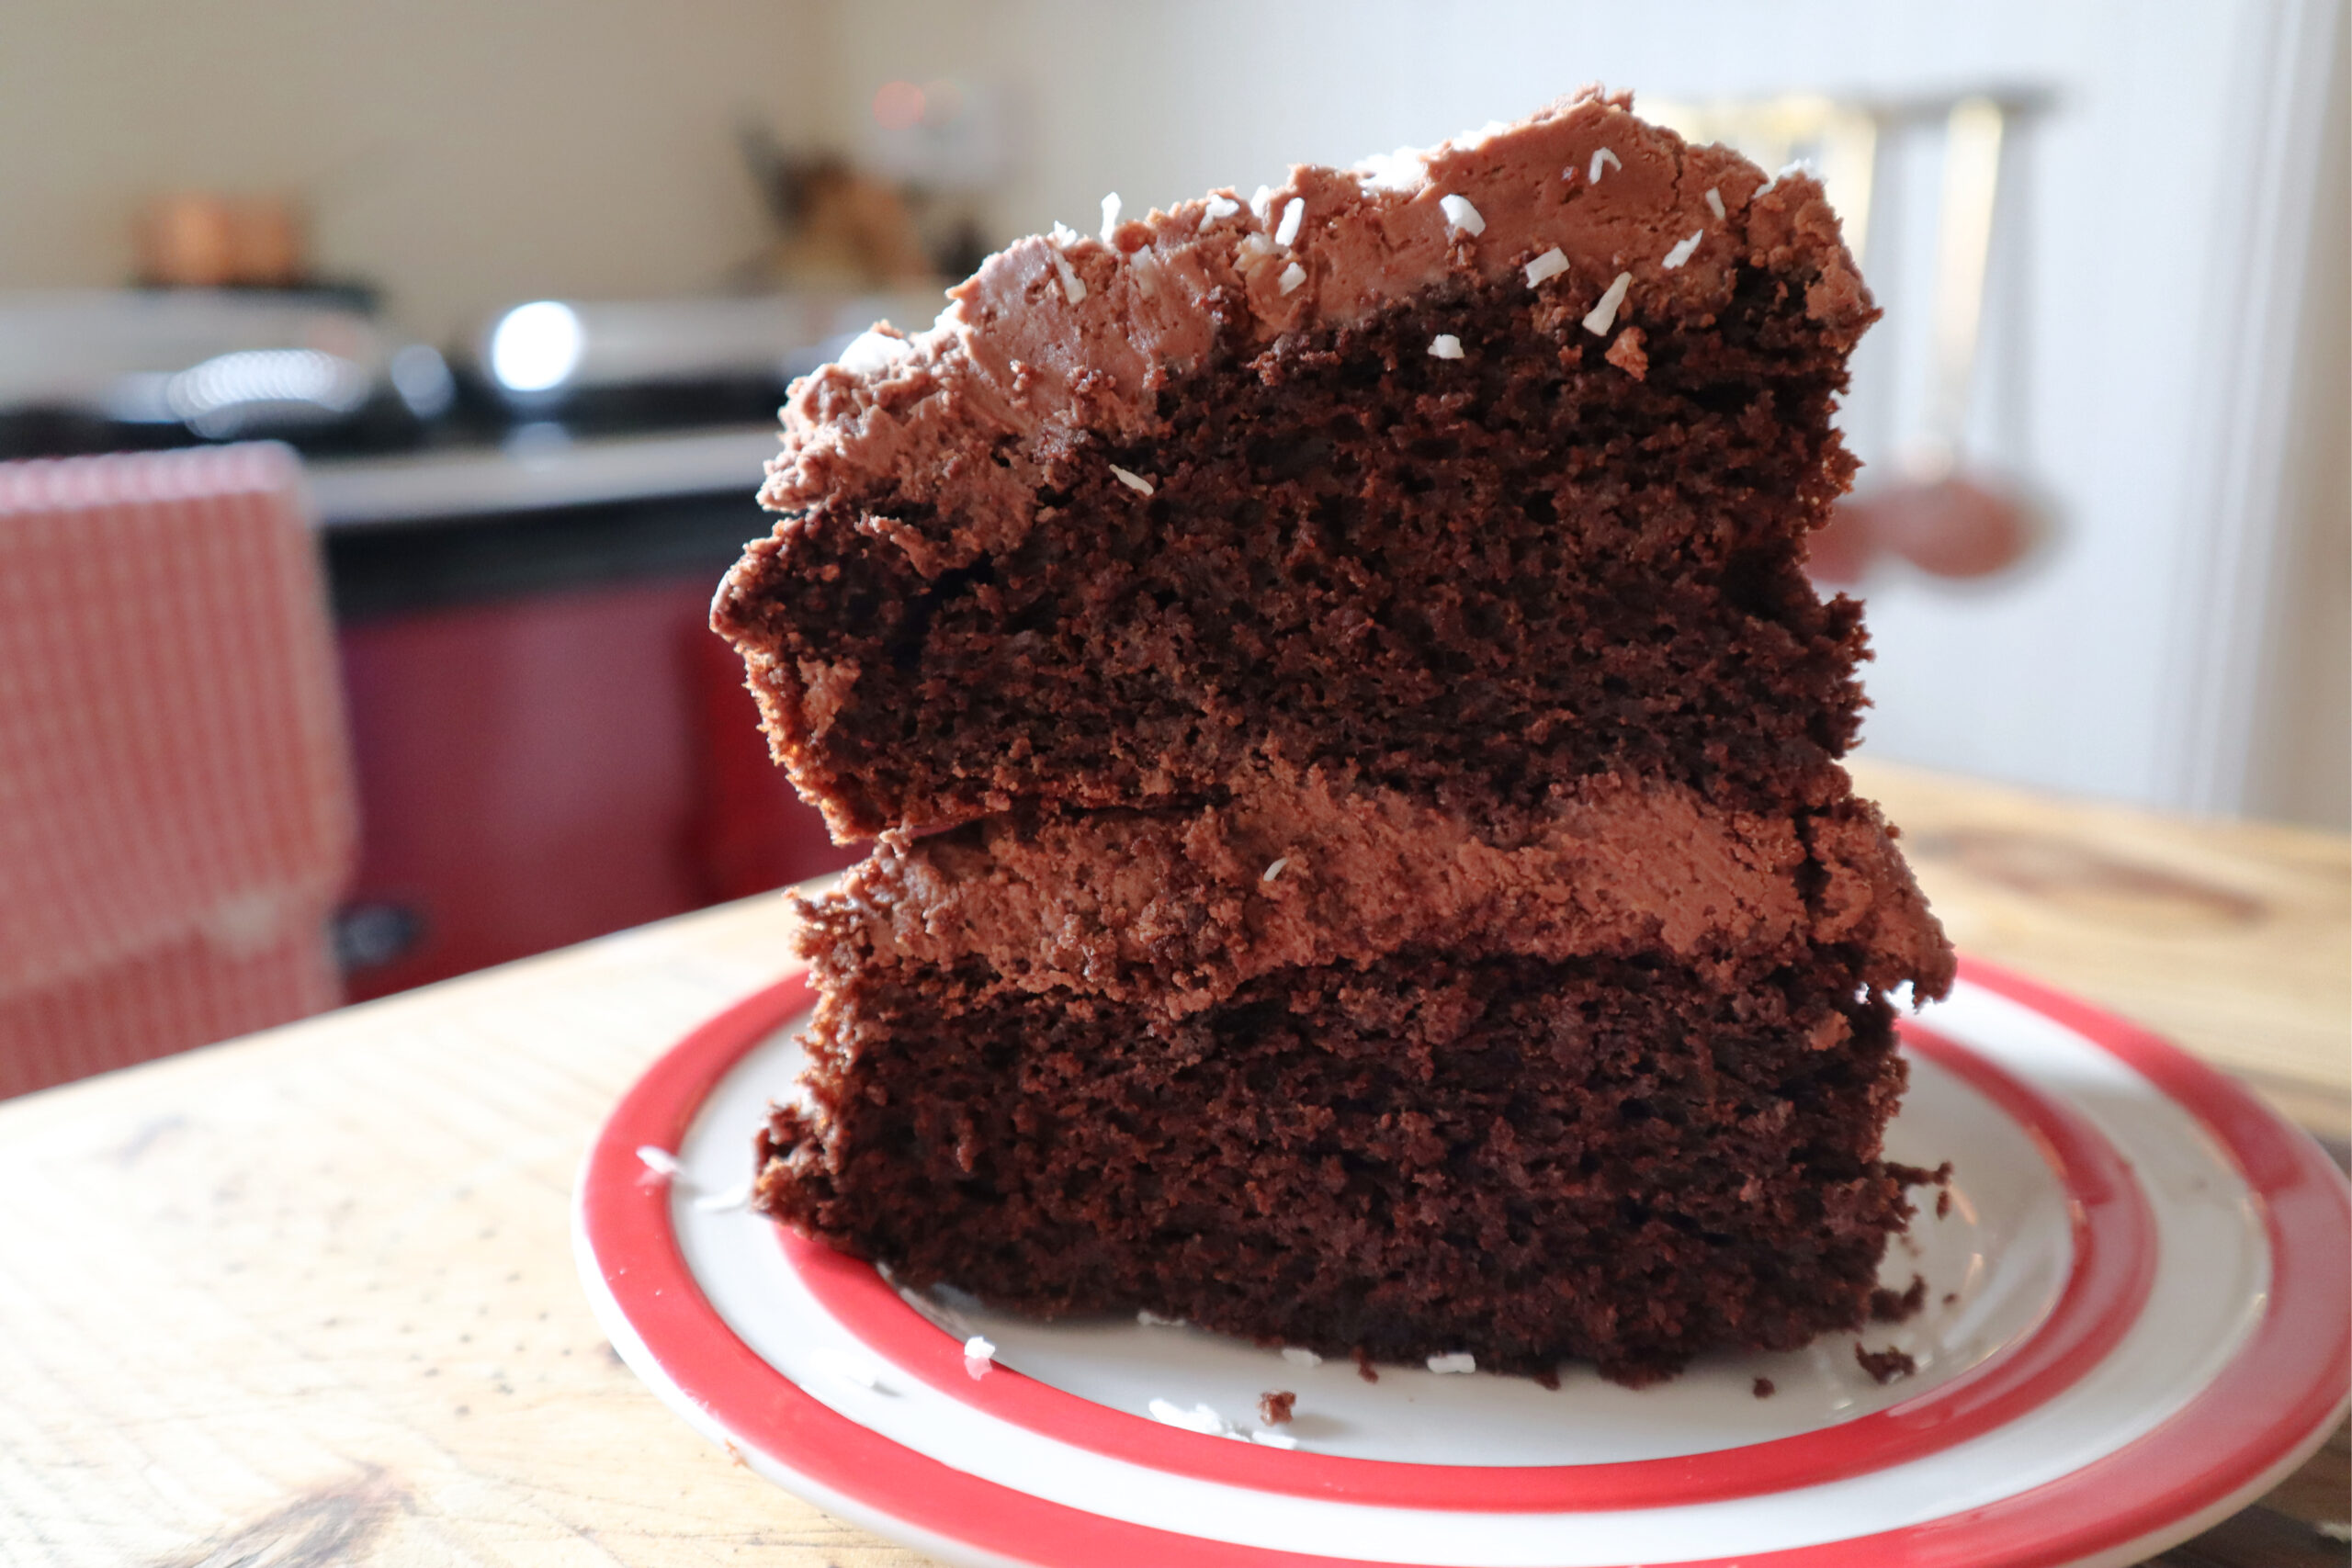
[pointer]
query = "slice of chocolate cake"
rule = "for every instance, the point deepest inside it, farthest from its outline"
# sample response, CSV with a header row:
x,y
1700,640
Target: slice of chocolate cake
x,y
1364,859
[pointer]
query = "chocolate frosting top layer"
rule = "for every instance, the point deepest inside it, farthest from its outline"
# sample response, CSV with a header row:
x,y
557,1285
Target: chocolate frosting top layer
x,y
1177,910
1060,335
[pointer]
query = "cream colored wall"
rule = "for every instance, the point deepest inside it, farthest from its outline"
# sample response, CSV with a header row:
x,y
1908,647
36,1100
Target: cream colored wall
x,y
463,153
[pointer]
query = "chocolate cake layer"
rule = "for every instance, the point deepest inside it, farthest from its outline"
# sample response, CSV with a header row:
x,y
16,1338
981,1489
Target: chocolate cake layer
x,y
1135,518
1612,1160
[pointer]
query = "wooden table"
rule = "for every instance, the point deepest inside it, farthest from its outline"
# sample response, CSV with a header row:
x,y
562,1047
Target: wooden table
x,y
309,1298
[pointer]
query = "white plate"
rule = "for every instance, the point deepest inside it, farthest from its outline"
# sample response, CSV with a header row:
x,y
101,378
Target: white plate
x,y
2137,1321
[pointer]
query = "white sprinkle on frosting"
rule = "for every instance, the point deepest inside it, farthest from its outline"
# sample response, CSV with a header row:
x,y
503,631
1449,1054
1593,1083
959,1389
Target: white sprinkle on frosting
x,y
1793,166
1150,1319
659,1160
1274,870
871,353
1603,158
1299,1356
1294,214
1261,203
1682,252
1062,235
1601,317
1408,168
1460,216
1219,208
1460,1362
1551,264
1445,345
1292,275
1199,1419
1715,203
1274,1439
1073,286
1134,482
1110,215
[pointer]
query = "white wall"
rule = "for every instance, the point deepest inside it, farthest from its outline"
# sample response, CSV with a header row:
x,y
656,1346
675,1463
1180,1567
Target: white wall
x,y
2126,359
463,152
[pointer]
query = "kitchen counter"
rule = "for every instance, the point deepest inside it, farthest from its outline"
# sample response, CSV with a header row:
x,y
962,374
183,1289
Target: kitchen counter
x,y
308,1297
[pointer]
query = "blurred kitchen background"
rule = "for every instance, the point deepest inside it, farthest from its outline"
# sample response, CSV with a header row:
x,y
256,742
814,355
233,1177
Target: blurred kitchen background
x,y
522,283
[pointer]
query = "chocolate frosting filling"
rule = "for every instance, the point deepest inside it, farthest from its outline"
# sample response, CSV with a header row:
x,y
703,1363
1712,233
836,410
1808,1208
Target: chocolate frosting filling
x,y
1177,910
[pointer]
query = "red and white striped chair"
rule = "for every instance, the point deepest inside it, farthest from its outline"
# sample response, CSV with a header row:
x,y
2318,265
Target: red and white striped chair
x,y
176,812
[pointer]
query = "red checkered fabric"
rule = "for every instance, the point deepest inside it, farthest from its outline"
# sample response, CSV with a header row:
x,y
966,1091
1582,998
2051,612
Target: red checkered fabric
x,y
176,813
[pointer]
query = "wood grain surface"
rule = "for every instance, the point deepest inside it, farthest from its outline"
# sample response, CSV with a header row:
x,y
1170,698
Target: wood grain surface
x,y
309,1298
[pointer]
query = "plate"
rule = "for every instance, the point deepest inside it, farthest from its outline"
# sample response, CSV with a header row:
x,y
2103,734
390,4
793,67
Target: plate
x,y
2137,1320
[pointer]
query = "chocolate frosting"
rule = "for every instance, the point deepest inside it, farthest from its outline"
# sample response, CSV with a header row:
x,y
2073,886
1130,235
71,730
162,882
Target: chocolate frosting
x,y
1057,335
1176,910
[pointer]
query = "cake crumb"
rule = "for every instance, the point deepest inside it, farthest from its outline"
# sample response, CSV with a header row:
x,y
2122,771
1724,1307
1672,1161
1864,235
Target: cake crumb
x,y
1445,345
1884,1365
1551,264
1274,1408
1715,203
1602,159
1134,482
1887,1306
1602,316
1455,1364
1627,355
1364,1367
1299,1356
1460,216
1943,1203
1763,1388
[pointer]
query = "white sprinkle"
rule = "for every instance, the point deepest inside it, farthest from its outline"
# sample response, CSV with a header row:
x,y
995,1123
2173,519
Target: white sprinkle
x,y
1682,252
2334,1529
1133,481
1219,207
1274,870
1793,166
1461,216
1274,1439
1200,1418
1299,1356
1294,214
1292,275
1445,345
1145,266
1408,168
1062,235
733,1198
1715,203
871,354
1602,158
1460,1362
659,1160
979,1356
1073,286
1261,203
846,1367
1601,317
1150,1319
1110,215
1551,264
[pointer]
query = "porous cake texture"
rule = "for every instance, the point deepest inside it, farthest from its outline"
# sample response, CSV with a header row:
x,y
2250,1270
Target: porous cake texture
x,y
1363,858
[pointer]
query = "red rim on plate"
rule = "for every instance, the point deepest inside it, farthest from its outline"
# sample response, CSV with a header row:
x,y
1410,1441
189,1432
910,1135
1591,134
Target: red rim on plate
x,y
2279,1391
